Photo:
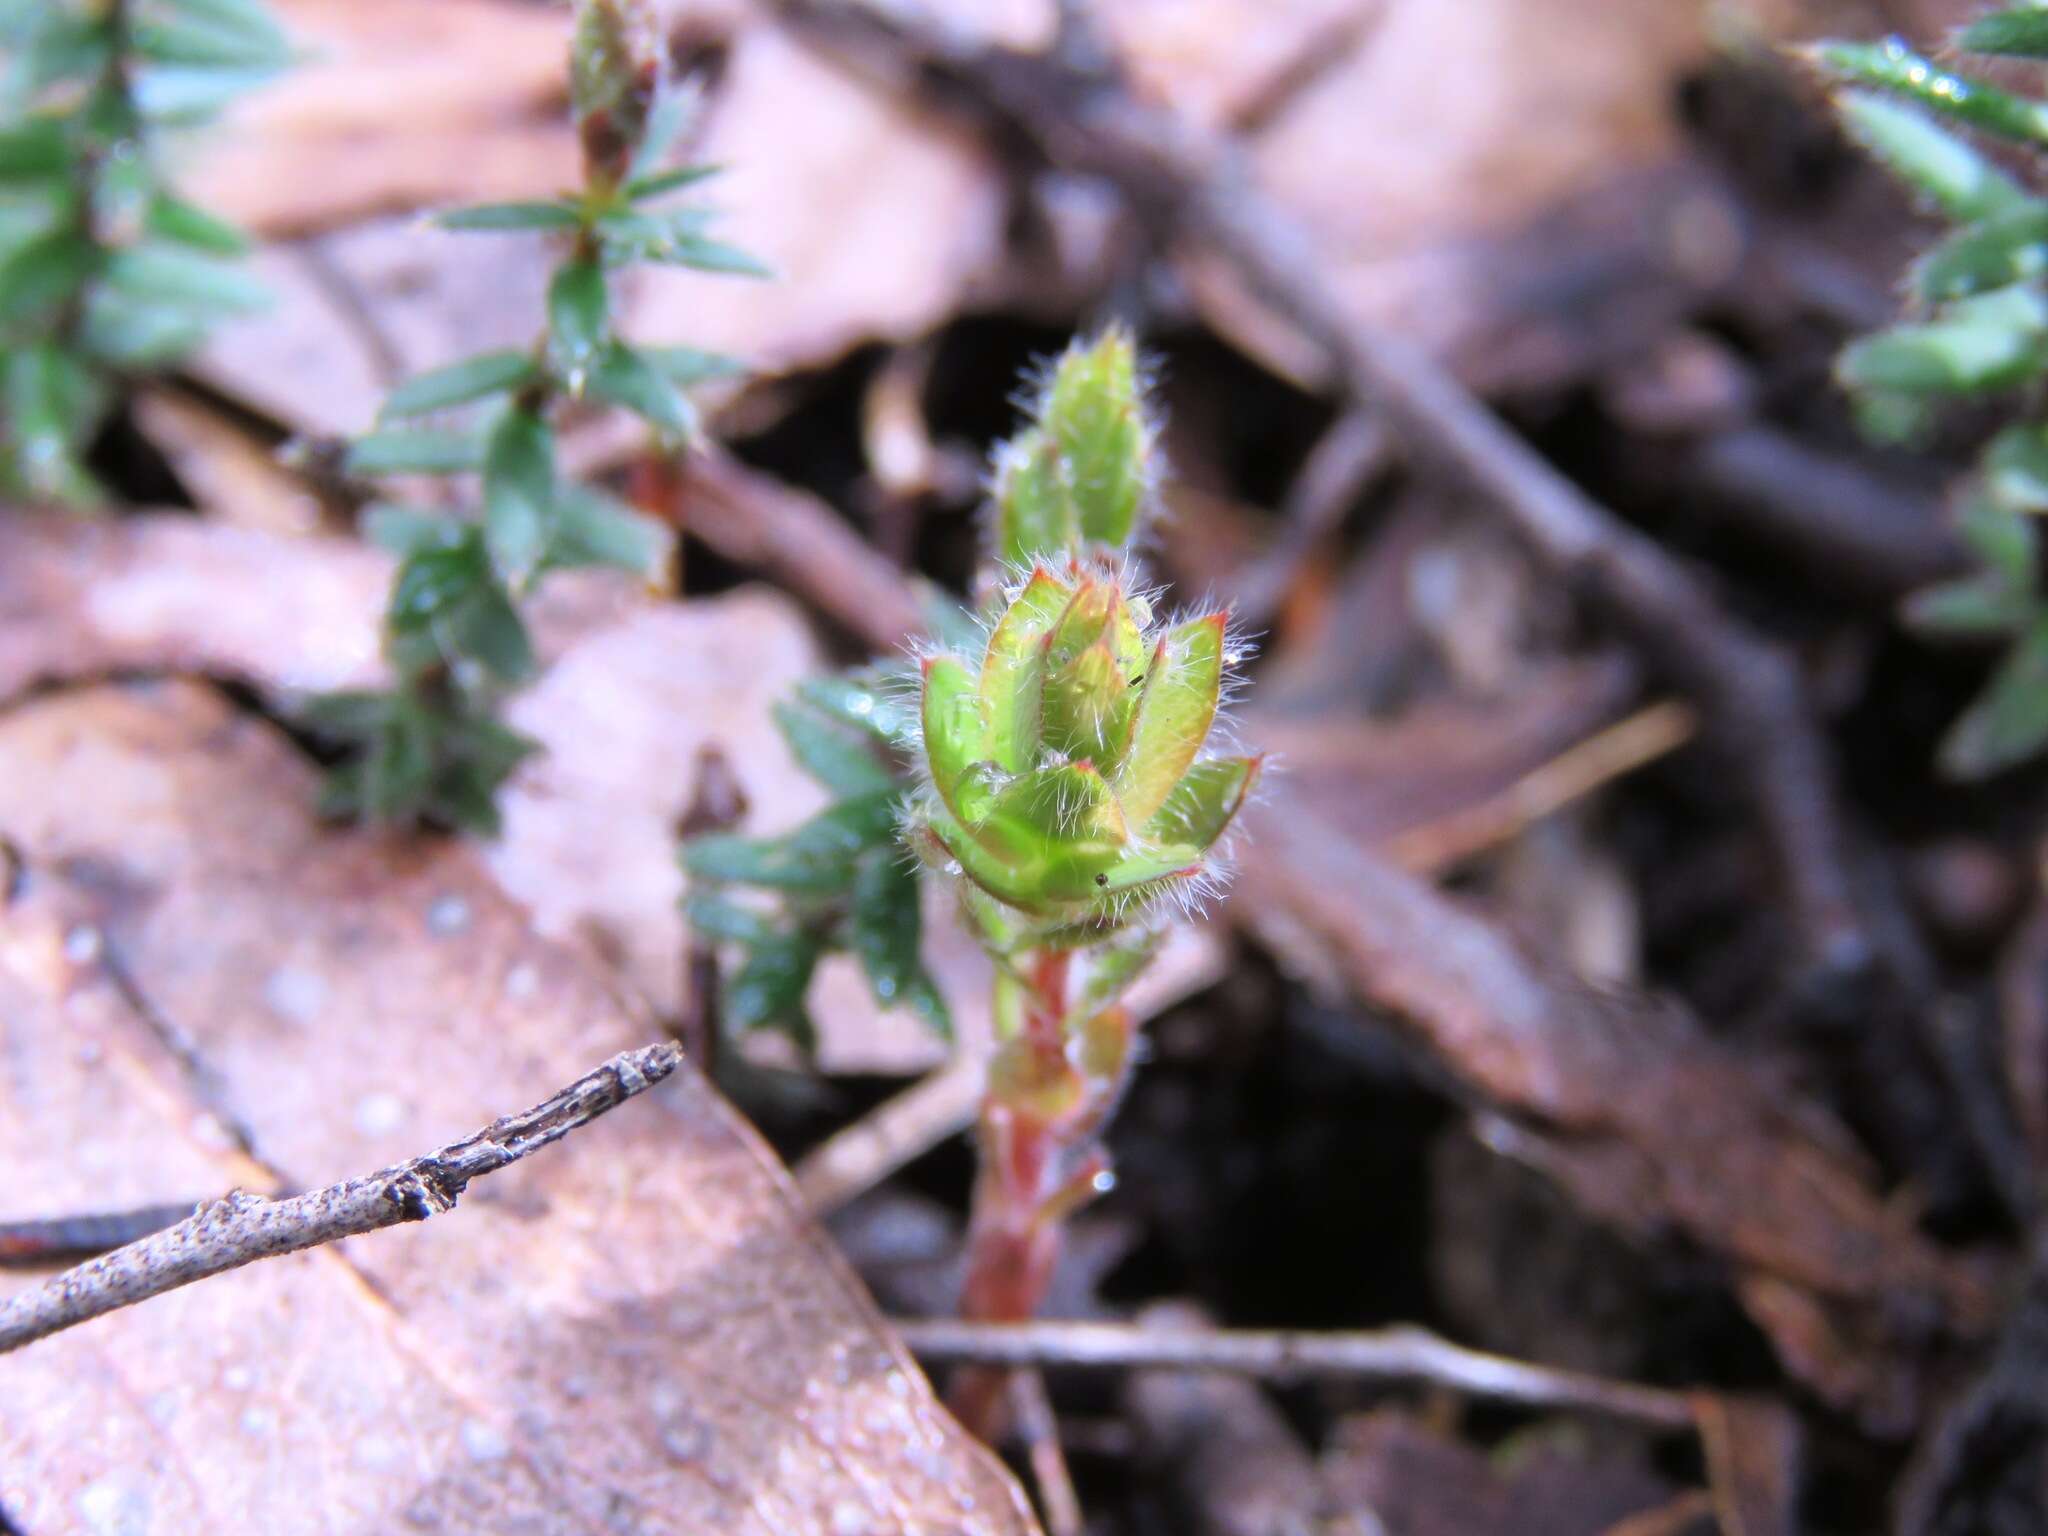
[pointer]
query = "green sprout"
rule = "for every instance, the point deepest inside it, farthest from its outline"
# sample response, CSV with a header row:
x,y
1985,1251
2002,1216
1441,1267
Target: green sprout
x,y
105,272
1059,773
431,748
1977,326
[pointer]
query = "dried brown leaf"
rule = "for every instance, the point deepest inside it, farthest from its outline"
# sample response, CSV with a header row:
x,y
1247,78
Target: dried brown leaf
x,y
638,1330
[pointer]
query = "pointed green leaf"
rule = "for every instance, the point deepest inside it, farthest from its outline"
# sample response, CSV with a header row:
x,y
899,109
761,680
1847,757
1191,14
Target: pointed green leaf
x,y
473,378
1175,710
519,494
1112,968
1089,708
1013,671
1928,158
503,217
446,604
126,333
817,858
592,528
719,917
2021,31
178,94
1035,513
1993,341
2009,247
36,150
1984,604
863,701
955,736
886,927
400,451
660,183
625,378
838,756
578,317
768,991
2008,723
156,273
2003,536
37,278
1151,867
183,224
1891,65
408,530
208,44
706,255
1208,796
1094,413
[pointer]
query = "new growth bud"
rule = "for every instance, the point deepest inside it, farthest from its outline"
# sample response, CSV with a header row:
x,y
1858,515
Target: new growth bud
x,y
1081,474
1066,767
615,76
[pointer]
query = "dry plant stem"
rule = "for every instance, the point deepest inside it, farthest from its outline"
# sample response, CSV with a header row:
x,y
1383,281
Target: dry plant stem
x,y
1184,187
852,1161
798,541
67,1239
244,1228
1041,1431
1389,1354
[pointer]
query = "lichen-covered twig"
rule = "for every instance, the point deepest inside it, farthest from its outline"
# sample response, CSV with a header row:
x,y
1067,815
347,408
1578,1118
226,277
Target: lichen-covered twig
x,y
1386,1354
244,1228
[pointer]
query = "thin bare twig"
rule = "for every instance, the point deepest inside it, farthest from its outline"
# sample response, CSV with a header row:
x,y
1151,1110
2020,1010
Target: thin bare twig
x,y
244,1228
40,1242
1041,1431
855,1159
1392,1354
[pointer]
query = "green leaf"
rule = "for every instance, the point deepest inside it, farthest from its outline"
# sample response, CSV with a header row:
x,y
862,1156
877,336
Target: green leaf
x,y
408,530
955,737
448,604
1984,604
862,703
1035,512
1013,671
643,189
495,218
1204,802
1175,710
592,528
768,991
155,273
2009,247
1927,157
209,44
624,378
406,451
2021,31
886,929
706,255
36,150
2016,470
684,366
1892,66
578,317
182,224
1993,341
2008,723
673,108
474,378
37,279
175,94
719,917
1094,413
816,858
838,756
1112,969
2003,537
127,333
52,406
519,494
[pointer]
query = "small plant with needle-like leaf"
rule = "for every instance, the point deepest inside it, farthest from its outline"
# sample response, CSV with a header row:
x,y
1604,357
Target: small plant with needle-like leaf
x,y
431,747
1977,327
1068,789
105,272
